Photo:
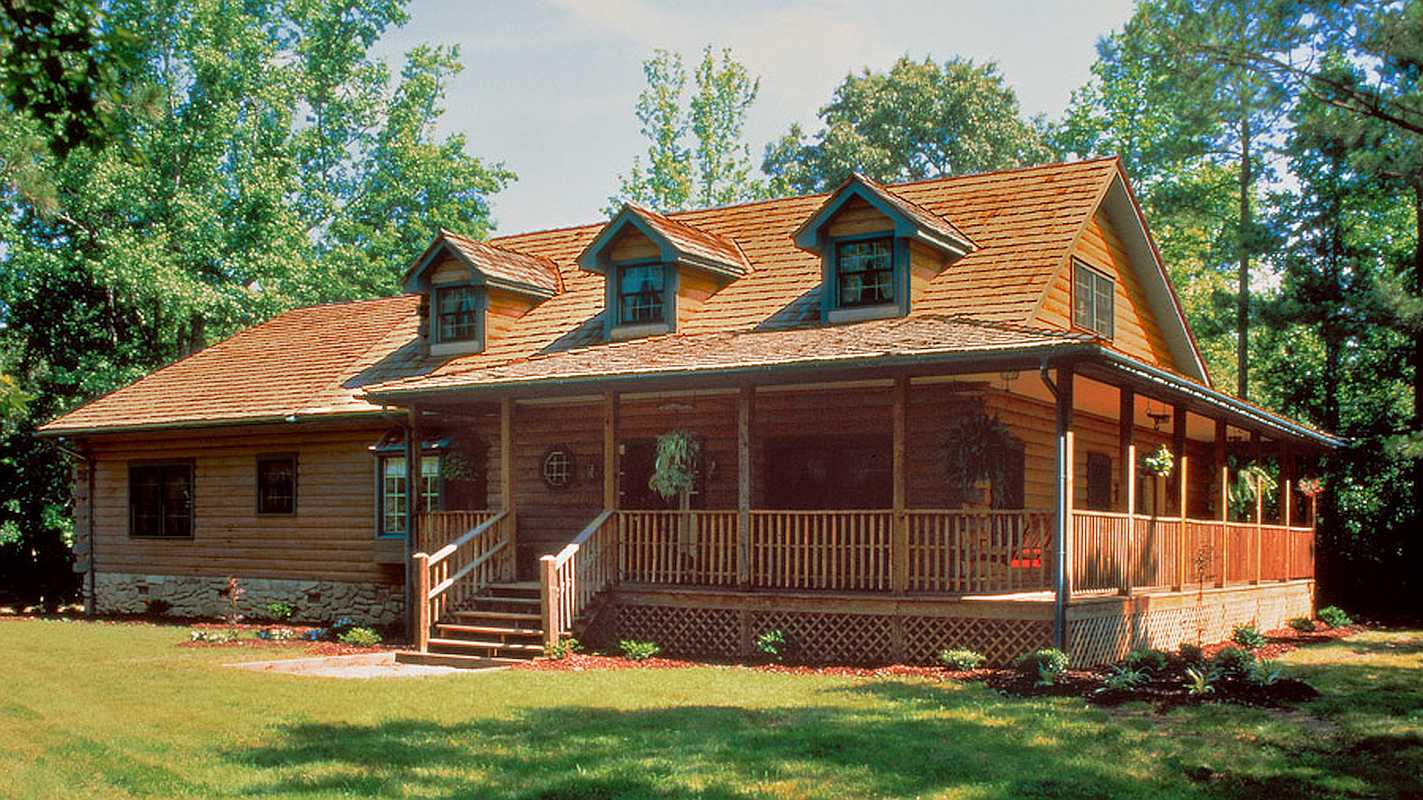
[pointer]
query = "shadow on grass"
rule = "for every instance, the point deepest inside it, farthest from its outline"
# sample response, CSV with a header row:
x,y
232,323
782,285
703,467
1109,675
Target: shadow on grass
x,y
691,751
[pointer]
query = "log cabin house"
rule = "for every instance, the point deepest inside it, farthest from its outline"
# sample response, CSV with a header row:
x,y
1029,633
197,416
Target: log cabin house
x,y
921,413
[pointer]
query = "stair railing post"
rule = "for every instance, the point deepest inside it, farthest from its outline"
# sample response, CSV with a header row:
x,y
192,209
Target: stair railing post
x,y
420,599
548,599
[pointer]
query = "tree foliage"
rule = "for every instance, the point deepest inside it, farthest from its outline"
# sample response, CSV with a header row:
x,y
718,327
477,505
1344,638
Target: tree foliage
x,y
714,167
917,120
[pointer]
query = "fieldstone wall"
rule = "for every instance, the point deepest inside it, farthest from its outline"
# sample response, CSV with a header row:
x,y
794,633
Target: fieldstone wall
x,y
191,596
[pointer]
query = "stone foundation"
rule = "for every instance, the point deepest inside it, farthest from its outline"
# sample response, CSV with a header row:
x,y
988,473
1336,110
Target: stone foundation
x,y
193,596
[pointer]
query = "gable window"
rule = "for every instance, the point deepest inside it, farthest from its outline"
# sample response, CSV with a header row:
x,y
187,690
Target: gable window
x,y
1099,481
276,484
394,493
864,272
1092,300
160,500
457,314
641,294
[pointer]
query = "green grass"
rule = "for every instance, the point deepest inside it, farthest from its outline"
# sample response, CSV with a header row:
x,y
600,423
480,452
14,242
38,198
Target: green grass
x,y
113,711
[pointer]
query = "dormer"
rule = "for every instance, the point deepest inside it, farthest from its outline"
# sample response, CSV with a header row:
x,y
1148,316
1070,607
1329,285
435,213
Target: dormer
x,y
878,251
474,291
657,271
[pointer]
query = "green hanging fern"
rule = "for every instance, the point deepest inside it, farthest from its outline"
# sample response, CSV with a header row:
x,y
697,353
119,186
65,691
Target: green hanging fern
x,y
1242,493
1159,462
675,468
977,446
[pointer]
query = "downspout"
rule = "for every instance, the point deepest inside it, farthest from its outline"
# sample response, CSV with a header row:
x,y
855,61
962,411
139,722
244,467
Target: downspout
x,y
1060,532
91,601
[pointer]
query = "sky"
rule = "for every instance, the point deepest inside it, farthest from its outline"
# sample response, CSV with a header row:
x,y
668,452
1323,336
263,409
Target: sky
x,y
549,85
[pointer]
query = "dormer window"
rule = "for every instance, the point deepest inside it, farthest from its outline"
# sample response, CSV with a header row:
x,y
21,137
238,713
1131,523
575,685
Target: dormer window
x,y
1093,295
457,313
642,295
864,272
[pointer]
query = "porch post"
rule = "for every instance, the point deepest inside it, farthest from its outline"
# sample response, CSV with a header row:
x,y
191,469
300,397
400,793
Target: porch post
x,y
506,477
1065,457
1220,435
610,451
420,606
1185,468
1126,442
899,557
1178,447
1287,475
745,403
412,501
1129,460
1255,457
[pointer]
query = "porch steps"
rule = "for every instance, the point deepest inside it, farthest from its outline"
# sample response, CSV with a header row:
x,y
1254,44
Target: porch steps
x,y
501,627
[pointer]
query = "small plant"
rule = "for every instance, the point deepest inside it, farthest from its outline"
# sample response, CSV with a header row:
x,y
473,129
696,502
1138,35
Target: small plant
x,y
277,634
1264,673
961,659
563,648
156,607
1233,662
1124,679
1334,617
317,634
1160,462
1144,658
634,650
1246,636
234,598
1201,681
1303,624
676,464
360,637
213,635
1048,664
1191,653
341,626
280,612
772,643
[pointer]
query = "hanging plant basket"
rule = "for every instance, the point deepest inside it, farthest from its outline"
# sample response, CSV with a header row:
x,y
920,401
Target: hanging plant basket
x,y
1160,462
675,467
1311,487
976,449
464,461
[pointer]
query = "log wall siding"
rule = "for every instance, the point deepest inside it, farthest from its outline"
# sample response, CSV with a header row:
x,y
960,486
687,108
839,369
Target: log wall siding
x,y
549,518
1137,333
857,217
331,537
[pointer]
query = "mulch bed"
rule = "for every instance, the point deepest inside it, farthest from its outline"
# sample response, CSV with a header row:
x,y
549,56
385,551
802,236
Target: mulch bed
x,y
1166,690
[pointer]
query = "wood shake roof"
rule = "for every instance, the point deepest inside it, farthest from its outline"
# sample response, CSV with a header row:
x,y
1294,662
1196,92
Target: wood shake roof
x,y
320,360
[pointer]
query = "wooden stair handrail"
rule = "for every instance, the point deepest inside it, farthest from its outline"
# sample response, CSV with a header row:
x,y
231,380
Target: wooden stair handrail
x,y
430,600
444,585
561,558
465,538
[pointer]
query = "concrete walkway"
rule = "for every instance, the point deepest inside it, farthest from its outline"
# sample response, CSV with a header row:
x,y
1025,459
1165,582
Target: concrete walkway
x,y
374,665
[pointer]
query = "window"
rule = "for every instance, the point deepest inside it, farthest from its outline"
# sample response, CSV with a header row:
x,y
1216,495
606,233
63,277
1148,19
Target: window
x,y
1092,300
864,272
558,467
640,294
457,312
161,499
1099,481
276,485
393,493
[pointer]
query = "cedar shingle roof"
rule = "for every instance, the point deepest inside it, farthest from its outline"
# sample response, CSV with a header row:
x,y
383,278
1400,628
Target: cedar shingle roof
x,y
694,240
506,265
319,360
922,217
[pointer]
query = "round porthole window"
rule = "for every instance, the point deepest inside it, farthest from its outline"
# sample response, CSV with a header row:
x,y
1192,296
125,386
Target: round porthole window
x,y
558,467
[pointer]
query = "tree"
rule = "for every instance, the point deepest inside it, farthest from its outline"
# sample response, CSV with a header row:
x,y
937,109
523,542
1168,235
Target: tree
x,y
918,120
278,165
715,169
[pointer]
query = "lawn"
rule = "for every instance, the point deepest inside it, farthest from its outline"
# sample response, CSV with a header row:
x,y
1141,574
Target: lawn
x,y
102,710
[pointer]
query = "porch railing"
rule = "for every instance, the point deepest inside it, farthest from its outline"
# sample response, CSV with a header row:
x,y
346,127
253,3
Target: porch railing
x,y
450,577
968,552
841,550
1120,552
435,529
569,580
695,547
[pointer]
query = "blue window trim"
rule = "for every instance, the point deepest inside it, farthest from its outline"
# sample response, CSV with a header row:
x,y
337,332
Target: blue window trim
x,y
410,496
612,306
830,272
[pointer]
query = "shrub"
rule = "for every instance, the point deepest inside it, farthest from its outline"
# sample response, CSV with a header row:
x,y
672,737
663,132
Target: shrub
x,y
1302,624
360,637
1264,673
341,626
1246,636
155,607
1144,658
280,611
1201,681
1124,679
214,635
316,634
1233,662
1334,617
1191,653
563,648
1047,664
961,659
638,651
772,643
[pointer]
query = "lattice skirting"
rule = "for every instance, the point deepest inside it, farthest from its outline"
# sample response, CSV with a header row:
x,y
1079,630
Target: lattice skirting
x,y
841,638
1104,638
